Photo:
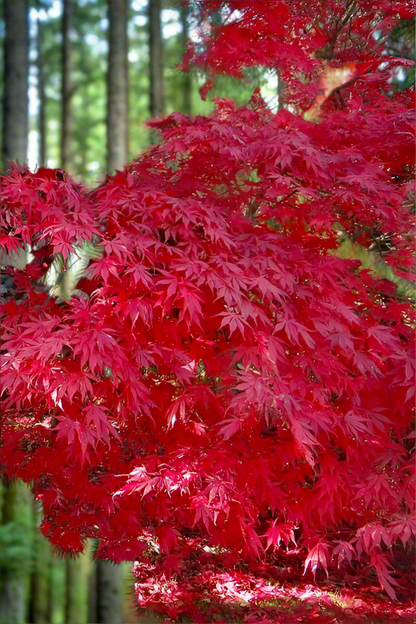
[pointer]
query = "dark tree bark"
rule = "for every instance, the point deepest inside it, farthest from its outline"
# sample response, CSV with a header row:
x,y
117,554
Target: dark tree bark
x,y
105,604
109,602
41,93
187,80
157,86
16,74
117,86
66,86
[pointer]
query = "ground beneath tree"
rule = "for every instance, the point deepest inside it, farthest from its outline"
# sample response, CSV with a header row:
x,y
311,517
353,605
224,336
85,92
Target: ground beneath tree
x,y
250,599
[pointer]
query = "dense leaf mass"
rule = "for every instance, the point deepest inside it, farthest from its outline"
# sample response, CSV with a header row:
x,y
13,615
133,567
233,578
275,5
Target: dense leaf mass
x,y
230,390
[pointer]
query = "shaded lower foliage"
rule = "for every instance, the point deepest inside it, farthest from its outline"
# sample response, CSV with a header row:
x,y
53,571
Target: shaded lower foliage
x,y
204,587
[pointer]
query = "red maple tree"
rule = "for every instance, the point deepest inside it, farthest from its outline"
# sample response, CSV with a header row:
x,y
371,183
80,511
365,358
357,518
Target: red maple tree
x,y
224,392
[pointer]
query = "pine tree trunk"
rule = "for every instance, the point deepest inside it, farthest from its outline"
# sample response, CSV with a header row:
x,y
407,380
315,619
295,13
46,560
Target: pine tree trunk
x,y
109,596
83,142
157,87
56,598
40,575
117,86
105,600
16,74
187,81
15,571
41,93
76,593
66,88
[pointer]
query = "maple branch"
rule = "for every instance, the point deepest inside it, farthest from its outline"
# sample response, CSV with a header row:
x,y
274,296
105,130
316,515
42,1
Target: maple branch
x,y
346,84
350,11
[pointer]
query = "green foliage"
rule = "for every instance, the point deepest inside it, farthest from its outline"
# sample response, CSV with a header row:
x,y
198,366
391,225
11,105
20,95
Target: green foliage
x,y
16,538
400,42
15,549
15,531
372,260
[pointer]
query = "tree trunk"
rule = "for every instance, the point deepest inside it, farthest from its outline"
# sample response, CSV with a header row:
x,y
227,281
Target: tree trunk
x,y
83,141
117,86
40,576
157,87
56,594
41,93
187,81
105,604
16,74
66,94
76,591
109,597
15,567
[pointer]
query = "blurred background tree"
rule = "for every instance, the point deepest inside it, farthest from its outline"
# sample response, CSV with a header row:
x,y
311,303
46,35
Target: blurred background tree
x,y
73,68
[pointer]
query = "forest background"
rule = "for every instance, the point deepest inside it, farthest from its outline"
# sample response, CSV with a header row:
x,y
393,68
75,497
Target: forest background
x,y
70,73
85,111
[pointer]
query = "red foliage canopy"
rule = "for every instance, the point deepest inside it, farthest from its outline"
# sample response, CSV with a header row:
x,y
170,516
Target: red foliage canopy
x,y
230,390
